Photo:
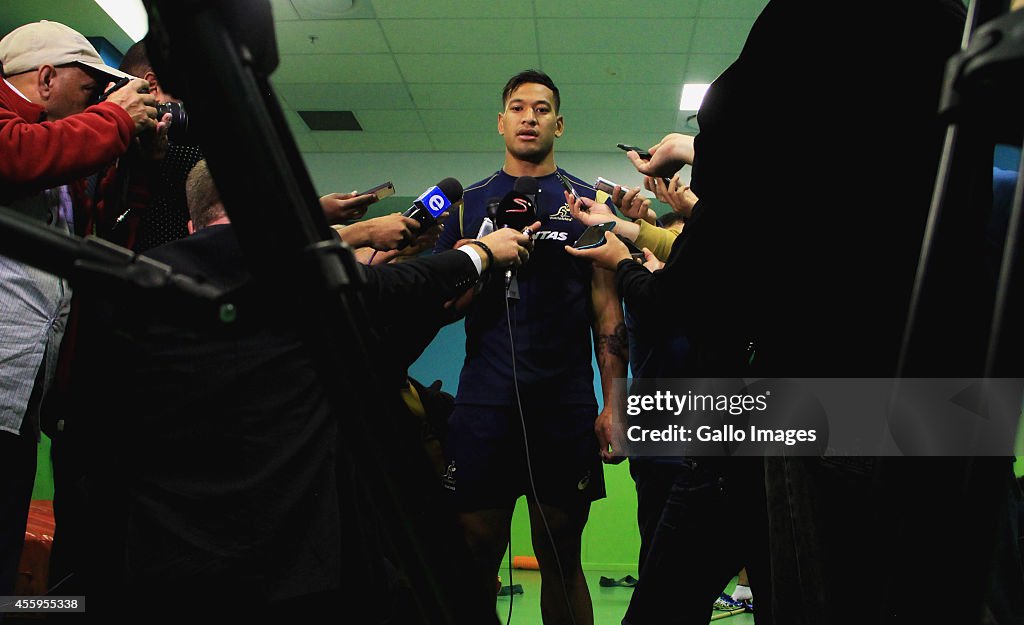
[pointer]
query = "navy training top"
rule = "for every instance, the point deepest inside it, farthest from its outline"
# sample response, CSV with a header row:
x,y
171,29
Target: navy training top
x,y
551,320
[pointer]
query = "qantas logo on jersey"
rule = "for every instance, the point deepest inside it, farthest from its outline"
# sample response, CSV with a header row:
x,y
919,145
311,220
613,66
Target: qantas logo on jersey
x,y
562,214
550,235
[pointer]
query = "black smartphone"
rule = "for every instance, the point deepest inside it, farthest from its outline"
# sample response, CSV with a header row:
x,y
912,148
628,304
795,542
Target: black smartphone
x,y
568,187
382,190
593,236
634,251
644,154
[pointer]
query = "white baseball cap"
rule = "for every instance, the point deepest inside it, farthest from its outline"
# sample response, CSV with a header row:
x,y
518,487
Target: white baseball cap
x,y
50,43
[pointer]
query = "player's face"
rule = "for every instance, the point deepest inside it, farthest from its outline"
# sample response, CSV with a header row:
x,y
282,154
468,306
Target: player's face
x,y
530,122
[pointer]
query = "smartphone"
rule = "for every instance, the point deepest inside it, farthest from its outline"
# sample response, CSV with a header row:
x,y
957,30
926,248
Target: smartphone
x,y
382,190
644,154
593,236
605,185
568,186
634,251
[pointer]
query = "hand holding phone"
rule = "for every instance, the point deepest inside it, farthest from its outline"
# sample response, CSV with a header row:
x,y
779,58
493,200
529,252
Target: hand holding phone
x,y
591,246
634,251
605,185
568,186
644,154
342,207
382,191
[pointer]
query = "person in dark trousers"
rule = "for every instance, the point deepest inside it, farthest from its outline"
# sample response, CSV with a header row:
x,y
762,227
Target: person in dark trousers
x,y
806,284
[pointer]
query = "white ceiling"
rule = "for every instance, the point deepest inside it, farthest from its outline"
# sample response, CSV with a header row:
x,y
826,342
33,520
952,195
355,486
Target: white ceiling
x,y
426,75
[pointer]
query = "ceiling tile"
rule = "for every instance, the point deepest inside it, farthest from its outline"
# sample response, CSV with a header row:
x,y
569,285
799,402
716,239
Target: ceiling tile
x,y
451,8
602,142
295,123
283,10
470,142
733,8
620,125
306,142
616,8
478,68
707,67
720,36
659,97
389,121
487,36
456,96
337,68
613,68
331,37
613,35
372,141
686,123
328,10
479,121
348,96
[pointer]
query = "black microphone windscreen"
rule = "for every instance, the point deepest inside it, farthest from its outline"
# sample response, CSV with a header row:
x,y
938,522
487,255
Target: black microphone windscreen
x,y
526,185
492,207
451,188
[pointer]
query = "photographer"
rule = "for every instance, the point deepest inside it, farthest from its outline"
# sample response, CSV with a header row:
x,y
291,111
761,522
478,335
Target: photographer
x,y
51,135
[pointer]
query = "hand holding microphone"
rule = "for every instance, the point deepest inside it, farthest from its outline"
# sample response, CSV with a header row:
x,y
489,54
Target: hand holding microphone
x,y
516,211
509,247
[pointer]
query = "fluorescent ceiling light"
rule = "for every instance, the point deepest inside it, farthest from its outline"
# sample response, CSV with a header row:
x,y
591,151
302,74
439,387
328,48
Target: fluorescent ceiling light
x,y
693,95
130,15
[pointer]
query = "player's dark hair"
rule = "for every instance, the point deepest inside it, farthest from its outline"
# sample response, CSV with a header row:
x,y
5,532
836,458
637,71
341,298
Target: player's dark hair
x,y
529,76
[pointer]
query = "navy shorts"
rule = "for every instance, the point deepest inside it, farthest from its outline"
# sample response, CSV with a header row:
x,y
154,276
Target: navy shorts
x,y
486,461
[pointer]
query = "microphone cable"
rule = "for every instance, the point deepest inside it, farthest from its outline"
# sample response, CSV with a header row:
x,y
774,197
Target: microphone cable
x,y
533,485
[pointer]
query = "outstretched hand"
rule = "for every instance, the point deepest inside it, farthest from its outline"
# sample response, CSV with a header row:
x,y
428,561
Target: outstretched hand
x,y
341,207
510,246
607,256
630,202
667,156
674,193
588,212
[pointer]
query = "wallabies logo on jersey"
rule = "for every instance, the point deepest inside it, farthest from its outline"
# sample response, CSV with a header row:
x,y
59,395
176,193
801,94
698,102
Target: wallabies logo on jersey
x,y
562,214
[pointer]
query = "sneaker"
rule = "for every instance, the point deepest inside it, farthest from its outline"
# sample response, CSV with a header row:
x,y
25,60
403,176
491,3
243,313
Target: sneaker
x,y
726,603
748,604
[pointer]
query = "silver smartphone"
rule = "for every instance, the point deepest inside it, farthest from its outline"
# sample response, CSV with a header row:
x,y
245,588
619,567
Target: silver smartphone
x,y
382,190
605,185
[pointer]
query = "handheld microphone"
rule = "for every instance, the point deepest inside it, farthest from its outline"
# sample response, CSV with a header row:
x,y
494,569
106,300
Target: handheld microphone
x,y
517,210
487,226
434,201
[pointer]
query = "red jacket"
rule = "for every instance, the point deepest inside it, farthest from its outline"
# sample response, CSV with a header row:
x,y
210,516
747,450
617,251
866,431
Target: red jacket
x,y
37,154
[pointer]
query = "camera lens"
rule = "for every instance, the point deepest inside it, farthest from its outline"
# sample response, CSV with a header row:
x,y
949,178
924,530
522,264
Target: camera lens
x,y
179,120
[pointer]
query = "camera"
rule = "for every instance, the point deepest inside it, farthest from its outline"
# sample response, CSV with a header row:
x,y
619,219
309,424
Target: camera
x,y
178,131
